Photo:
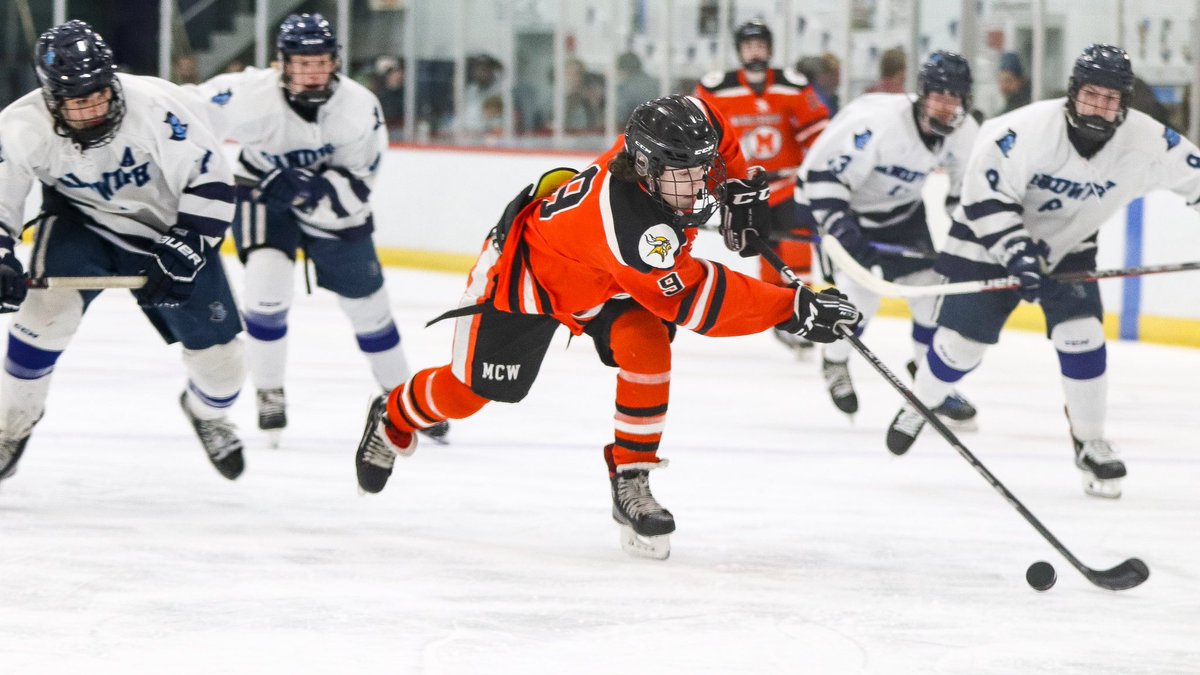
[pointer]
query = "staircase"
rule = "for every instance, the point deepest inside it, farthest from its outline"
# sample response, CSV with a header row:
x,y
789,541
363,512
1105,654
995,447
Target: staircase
x,y
233,34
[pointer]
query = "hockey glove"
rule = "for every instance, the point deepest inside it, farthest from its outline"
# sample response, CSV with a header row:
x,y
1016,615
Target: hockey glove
x,y
1026,261
12,277
292,189
844,226
174,262
816,316
746,210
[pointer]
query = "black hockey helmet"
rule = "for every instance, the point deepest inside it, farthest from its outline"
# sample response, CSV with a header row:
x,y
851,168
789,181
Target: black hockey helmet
x,y
1102,65
74,61
945,73
673,132
754,30
307,35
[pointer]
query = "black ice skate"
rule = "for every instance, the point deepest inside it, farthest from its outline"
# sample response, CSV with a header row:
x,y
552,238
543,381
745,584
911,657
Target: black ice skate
x,y
1102,468
381,442
272,413
222,445
904,429
645,524
841,389
438,433
10,452
956,411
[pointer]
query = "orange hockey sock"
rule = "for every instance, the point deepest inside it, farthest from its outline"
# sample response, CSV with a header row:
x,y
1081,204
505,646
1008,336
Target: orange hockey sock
x,y
641,348
429,397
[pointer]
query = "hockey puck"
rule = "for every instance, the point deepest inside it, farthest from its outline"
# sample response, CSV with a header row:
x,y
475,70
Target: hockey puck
x,y
1041,576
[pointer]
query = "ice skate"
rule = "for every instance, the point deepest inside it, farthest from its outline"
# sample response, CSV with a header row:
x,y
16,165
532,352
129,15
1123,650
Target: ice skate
x,y
1102,468
841,389
956,411
272,413
645,525
438,433
11,449
800,346
381,442
220,442
904,429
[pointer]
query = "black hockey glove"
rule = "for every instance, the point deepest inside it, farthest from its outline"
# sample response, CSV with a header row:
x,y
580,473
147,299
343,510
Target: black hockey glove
x,y
12,277
1026,261
292,189
746,210
816,316
844,226
174,261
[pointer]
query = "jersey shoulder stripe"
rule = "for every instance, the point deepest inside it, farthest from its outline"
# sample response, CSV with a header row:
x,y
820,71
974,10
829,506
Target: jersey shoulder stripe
x,y
715,81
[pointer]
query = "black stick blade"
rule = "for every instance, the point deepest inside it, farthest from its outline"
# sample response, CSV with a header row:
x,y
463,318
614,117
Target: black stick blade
x,y
1128,574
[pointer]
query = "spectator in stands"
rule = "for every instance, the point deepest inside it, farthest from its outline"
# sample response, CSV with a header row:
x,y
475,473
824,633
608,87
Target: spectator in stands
x,y
581,114
481,95
892,65
824,73
187,71
235,66
1012,82
392,93
634,86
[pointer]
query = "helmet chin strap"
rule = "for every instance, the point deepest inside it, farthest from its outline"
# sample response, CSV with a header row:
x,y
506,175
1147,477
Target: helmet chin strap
x,y
756,66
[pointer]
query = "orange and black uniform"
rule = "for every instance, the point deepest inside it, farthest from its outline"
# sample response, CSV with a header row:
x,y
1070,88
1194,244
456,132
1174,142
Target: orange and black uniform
x,y
601,256
776,122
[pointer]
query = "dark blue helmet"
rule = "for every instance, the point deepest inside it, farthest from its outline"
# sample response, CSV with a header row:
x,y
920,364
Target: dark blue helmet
x,y
672,132
1104,66
754,30
73,61
945,73
307,35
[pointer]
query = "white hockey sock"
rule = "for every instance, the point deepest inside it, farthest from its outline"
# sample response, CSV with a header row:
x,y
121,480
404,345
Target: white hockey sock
x,y
867,304
948,360
1087,401
269,291
1083,360
215,377
378,337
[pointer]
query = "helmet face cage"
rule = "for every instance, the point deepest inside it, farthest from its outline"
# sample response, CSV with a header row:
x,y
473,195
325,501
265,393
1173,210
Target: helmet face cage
x,y
1103,66
753,30
72,62
670,134
307,35
944,73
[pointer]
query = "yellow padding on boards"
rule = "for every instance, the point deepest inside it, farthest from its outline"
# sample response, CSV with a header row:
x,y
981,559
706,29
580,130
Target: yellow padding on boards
x,y
1156,329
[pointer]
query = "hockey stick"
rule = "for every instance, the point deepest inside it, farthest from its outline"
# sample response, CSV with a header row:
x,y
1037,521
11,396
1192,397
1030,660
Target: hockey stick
x,y
833,248
1126,575
90,283
894,250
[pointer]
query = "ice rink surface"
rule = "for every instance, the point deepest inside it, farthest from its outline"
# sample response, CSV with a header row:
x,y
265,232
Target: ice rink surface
x,y
802,545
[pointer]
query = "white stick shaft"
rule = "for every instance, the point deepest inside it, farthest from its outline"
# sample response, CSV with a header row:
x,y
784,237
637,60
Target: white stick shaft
x,y
90,283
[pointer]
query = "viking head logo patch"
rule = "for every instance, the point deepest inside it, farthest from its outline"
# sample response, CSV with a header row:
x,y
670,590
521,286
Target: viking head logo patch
x,y
658,246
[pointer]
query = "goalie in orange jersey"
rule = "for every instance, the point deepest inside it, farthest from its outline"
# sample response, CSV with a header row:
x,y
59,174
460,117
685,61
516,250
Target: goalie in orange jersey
x,y
777,116
607,252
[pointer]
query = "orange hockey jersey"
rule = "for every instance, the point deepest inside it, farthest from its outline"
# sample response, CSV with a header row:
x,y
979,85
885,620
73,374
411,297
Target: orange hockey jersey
x,y
776,127
597,238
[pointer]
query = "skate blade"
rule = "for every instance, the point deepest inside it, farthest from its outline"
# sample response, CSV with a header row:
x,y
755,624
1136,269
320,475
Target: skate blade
x,y
273,436
1100,487
654,548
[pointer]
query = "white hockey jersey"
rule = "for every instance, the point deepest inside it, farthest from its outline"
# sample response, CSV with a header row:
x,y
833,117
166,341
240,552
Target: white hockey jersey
x,y
1024,178
871,160
344,145
163,167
